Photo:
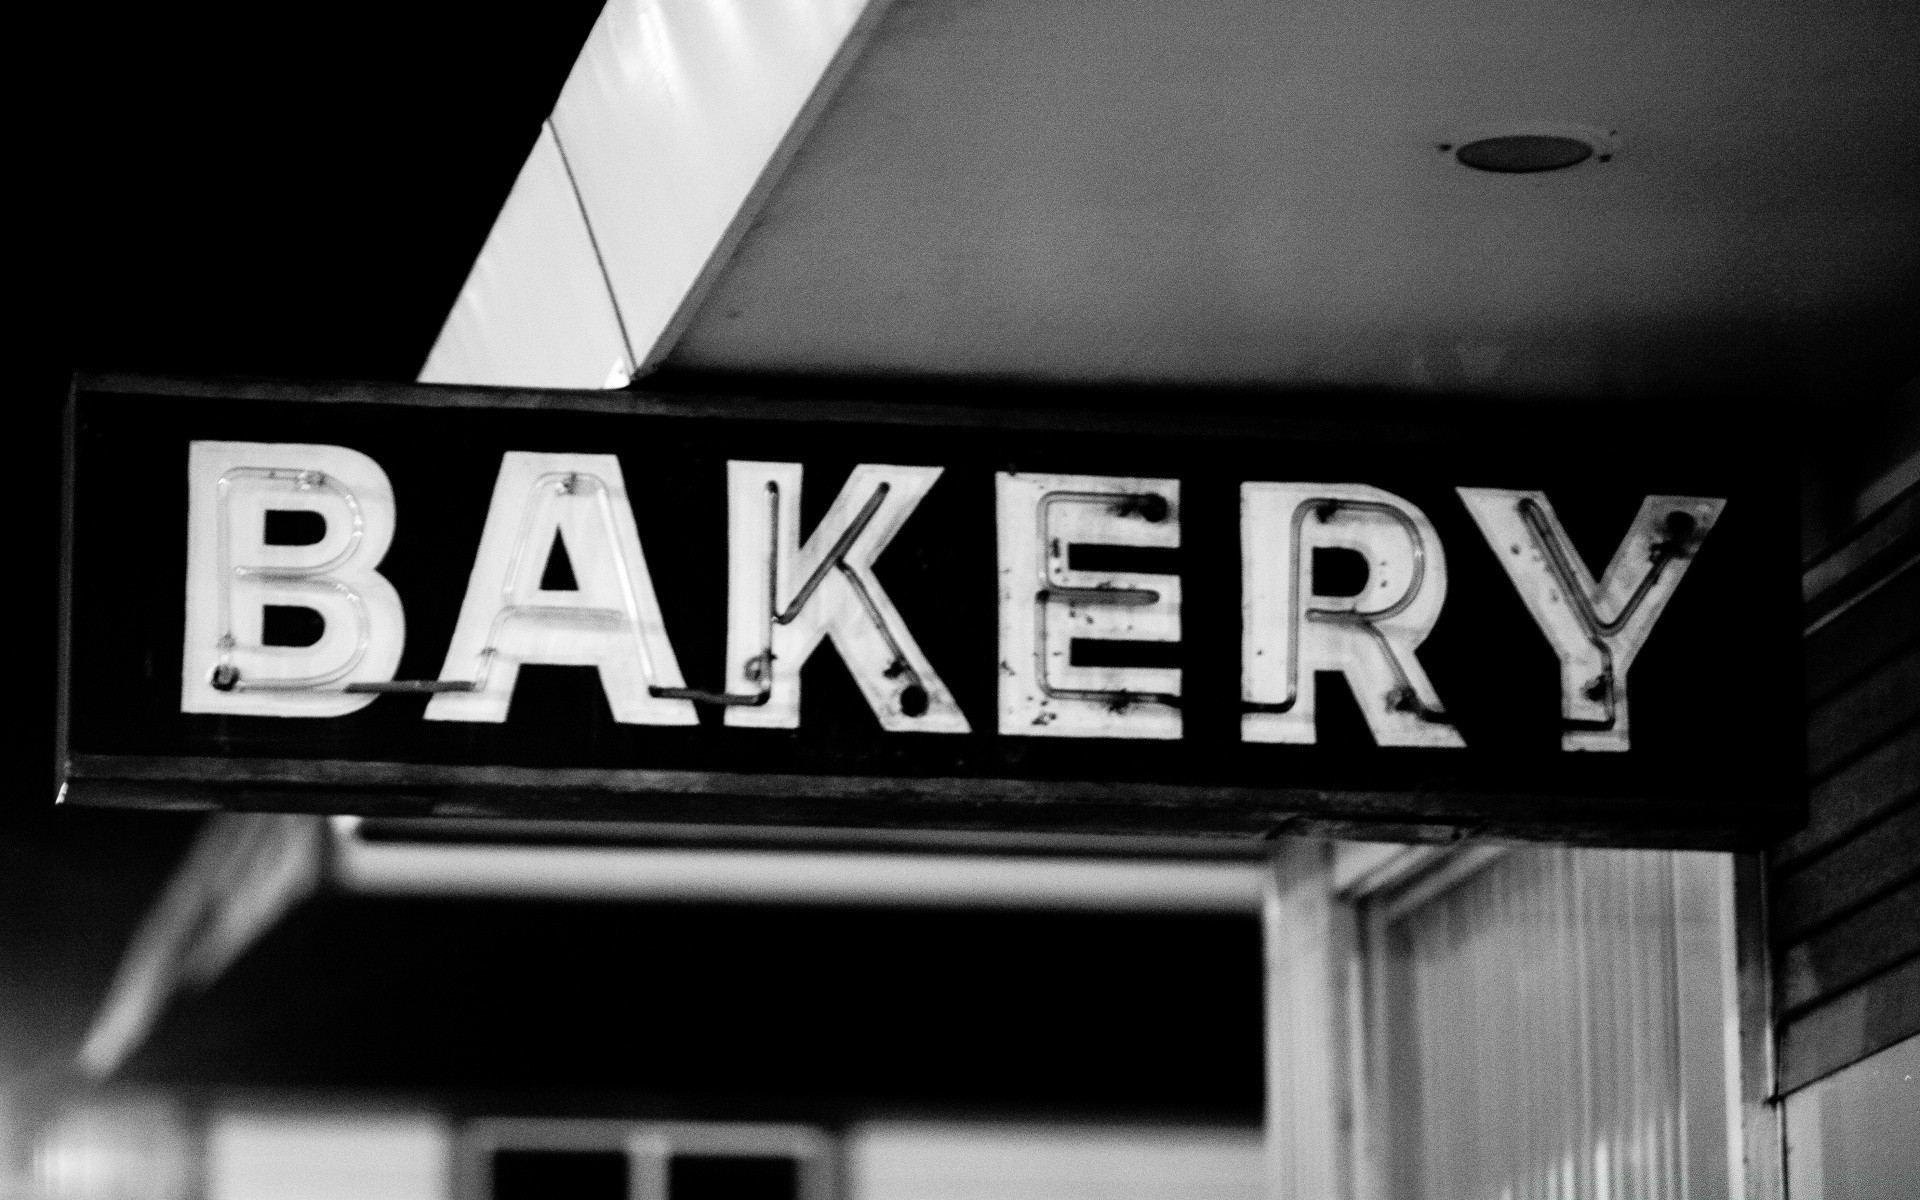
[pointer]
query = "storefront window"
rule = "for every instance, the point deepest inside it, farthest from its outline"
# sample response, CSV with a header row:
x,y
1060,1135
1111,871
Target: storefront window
x,y
1552,1026
615,1160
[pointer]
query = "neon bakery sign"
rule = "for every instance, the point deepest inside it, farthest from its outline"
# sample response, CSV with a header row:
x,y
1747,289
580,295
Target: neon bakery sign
x,y
804,611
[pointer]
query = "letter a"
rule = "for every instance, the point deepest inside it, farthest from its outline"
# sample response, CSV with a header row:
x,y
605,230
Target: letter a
x,y
610,620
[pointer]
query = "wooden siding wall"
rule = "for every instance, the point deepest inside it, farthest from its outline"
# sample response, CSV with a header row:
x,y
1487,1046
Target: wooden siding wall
x,y
1844,892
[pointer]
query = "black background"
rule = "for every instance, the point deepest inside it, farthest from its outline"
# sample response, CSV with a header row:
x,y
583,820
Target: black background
x,y
1712,711
737,1012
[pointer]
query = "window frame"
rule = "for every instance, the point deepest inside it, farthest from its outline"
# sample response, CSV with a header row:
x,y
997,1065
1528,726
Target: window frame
x,y
649,1147
1378,885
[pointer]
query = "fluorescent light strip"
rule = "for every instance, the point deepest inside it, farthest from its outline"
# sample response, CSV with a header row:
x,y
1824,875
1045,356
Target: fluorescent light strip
x,y
792,877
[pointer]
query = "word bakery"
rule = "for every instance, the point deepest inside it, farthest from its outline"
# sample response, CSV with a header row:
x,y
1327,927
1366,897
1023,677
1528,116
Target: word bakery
x,y
288,613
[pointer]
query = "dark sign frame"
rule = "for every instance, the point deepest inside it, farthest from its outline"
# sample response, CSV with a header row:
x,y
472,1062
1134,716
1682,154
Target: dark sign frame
x,y
1716,762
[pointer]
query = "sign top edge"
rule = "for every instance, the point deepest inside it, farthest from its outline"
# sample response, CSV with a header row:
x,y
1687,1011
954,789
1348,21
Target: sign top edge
x,y
1324,417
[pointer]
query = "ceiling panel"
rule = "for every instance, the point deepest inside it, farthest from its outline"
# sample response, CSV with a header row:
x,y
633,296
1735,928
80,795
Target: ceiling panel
x,y
1252,193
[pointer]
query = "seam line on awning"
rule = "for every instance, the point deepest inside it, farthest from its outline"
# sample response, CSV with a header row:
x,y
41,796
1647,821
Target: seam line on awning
x,y
606,279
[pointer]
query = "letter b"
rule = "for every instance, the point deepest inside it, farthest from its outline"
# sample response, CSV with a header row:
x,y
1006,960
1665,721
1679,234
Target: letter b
x,y
236,572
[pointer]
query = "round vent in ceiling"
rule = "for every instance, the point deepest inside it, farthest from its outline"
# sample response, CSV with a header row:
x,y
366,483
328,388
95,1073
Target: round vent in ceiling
x,y
1522,153
1530,149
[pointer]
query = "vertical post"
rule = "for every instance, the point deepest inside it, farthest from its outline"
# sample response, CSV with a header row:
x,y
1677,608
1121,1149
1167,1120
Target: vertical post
x,y
1706,983
648,1157
1763,1148
1309,937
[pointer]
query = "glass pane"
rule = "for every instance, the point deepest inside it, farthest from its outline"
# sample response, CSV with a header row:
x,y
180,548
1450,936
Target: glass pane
x,y
713,1177
559,1175
1533,1035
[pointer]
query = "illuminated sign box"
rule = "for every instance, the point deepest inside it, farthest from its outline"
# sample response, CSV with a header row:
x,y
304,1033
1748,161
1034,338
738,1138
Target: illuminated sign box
x,y
805,611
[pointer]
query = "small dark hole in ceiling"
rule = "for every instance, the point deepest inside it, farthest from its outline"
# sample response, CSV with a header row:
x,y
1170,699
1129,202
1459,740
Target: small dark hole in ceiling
x,y
1524,152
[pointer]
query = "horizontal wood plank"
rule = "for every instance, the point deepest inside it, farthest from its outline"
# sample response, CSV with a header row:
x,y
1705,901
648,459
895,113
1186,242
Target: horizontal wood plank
x,y
1871,940
1863,1021
1855,872
1864,713
1845,894
1859,639
1882,779
1842,570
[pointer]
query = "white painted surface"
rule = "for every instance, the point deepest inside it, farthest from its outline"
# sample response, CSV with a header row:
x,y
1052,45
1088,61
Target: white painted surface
x,y
1308,937
912,1161
673,112
1855,1135
535,311
126,1147
296,1156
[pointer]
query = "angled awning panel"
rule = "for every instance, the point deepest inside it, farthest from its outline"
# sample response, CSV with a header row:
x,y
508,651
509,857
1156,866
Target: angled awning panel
x,y
648,170
535,312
